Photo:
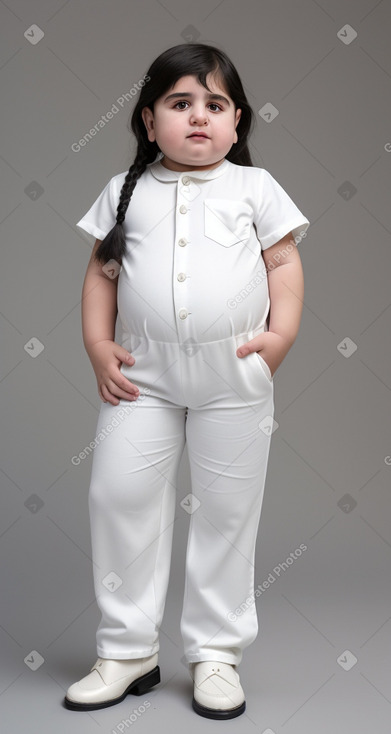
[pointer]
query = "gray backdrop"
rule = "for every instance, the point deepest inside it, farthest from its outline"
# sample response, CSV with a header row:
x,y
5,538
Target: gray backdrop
x,y
321,661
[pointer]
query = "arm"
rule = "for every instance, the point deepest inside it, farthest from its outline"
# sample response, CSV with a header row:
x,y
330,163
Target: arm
x,y
286,291
99,313
286,288
99,304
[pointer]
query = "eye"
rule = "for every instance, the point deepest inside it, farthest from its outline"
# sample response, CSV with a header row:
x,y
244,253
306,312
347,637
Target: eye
x,y
213,104
185,102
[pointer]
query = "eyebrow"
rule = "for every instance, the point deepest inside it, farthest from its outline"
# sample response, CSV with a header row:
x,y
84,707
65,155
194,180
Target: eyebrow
x,y
189,94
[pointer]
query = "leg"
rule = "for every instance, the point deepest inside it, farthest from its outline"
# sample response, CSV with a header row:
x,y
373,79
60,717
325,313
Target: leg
x,y
228,455
132,504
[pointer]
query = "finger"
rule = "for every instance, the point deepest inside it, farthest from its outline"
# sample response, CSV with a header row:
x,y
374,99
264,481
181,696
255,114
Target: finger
x,y
115,390
119,383
243,351
123,354
108,397
103,399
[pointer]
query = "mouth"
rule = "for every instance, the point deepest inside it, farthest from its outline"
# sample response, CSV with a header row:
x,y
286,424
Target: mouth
x,y
198,135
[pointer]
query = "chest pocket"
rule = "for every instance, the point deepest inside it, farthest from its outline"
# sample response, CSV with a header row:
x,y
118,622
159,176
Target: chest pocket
x,y
227,221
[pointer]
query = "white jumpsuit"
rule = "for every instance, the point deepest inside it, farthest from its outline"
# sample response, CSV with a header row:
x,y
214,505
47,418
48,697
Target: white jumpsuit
x,y
192,289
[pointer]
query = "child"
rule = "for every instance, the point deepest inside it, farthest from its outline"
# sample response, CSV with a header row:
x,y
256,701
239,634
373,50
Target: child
x,y
205,325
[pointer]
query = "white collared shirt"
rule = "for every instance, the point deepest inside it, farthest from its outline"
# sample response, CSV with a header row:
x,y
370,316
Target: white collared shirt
x,y
193,268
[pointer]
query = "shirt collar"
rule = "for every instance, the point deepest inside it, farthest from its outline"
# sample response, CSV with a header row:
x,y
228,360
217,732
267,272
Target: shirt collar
x,y
165,174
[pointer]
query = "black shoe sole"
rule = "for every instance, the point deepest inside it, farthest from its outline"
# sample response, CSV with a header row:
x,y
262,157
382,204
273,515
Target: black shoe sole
x,y
218,713
138,688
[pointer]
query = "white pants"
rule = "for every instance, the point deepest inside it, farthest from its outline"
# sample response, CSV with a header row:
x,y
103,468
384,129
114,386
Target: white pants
x,y
223,407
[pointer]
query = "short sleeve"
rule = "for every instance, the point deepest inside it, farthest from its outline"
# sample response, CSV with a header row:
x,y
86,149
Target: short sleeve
x,y
102,215
277,214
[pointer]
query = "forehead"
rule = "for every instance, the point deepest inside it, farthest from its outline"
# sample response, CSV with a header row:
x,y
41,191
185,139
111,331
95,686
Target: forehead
x,y
190,83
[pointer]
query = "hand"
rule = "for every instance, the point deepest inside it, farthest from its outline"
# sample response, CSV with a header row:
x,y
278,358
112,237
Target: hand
x,y
106,358
271,346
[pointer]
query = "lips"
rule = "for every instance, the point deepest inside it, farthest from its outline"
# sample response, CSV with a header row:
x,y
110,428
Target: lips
x,y
198,135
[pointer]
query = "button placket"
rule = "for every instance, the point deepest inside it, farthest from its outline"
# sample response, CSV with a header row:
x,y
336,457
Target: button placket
x,y
180,254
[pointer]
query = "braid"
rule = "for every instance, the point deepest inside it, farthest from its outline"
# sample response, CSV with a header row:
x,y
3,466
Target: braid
x,y
113,247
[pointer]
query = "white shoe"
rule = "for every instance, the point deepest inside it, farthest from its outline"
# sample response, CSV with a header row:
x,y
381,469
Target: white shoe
x,y
217,690
109,681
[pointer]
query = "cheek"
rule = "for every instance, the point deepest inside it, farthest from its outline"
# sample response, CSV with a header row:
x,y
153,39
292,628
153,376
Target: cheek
x,y
226,135
168,129
171,137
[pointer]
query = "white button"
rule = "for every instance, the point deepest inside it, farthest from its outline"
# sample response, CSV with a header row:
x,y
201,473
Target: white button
x,y
183,313
186,180
181,276
183,209
182,242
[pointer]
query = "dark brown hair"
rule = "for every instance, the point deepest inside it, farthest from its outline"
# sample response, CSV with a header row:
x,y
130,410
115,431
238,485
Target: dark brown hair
x,y
183,60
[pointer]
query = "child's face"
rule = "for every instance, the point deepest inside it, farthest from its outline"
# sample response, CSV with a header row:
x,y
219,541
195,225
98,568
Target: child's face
x,y
194,109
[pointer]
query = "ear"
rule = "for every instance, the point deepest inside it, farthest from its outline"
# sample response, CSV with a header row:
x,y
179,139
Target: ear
x,y
238,115
148,120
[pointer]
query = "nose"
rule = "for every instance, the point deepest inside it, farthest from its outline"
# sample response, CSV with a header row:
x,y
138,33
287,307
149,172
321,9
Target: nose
x,y
199,115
